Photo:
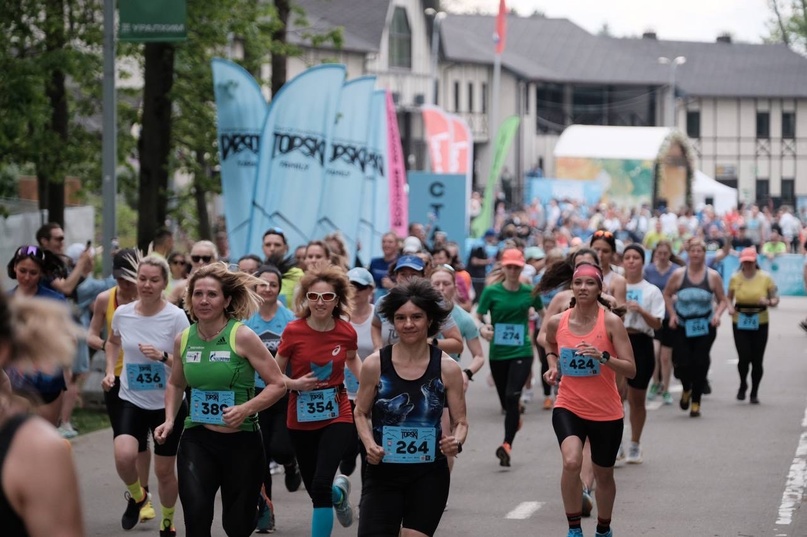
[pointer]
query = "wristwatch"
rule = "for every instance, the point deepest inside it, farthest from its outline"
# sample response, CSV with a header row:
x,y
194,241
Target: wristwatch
x,y
164,358
469,373
605,357
459,447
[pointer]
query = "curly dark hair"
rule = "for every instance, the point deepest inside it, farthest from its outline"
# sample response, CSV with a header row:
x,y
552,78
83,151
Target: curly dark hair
x,y
421,293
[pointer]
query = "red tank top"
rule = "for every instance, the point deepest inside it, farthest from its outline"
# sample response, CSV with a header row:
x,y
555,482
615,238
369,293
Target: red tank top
x,y
594,398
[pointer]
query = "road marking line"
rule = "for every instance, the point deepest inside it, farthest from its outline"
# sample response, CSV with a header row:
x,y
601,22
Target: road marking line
x,y
733,361
796,481
524,510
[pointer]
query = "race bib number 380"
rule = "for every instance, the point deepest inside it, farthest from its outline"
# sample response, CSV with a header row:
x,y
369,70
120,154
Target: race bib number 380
x,y
408,445
145,376
317,405
208,406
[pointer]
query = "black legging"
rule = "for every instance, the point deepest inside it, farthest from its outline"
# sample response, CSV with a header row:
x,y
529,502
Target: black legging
x,y
207,461
750,351
691,359
276,440
544,365
319,453
510,376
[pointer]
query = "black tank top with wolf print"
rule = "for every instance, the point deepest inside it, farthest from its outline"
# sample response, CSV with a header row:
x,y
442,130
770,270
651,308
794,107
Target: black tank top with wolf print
x,y
406,413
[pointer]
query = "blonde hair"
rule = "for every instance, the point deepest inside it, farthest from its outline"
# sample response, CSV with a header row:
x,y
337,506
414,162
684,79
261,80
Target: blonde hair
x,y
42,332
238,286
156,261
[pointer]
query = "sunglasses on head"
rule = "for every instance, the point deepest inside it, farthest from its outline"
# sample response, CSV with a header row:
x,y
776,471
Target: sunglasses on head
x,y
30,251
198,258
327,296
603,233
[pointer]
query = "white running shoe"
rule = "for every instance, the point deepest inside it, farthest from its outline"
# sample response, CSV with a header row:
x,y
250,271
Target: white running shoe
x,y
634,454
344,511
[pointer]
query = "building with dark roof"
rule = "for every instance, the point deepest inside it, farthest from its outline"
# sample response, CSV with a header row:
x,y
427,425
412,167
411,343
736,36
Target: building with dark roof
x,y
743,106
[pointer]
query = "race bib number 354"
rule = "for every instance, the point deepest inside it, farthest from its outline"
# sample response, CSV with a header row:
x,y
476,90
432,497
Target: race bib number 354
x,y
317,405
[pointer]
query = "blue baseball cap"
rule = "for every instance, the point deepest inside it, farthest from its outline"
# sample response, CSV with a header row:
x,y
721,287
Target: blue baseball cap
x,y
410,261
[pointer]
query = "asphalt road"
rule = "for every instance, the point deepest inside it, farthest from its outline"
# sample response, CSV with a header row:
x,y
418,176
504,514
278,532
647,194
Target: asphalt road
x,y
739,470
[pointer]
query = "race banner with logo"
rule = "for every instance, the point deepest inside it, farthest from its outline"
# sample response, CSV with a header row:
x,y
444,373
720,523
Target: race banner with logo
x,y
294,147
439,137
504,139
375,219
240,112
432,199
349,161
398,199
462,156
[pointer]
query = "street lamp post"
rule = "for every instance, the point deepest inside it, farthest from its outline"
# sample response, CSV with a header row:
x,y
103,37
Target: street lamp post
x,y
437,16
669,114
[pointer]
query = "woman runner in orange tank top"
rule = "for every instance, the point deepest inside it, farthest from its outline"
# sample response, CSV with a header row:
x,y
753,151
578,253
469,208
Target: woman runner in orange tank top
x,y
587,346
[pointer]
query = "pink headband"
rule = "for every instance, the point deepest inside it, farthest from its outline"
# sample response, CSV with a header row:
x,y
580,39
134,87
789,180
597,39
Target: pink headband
x,y
590,271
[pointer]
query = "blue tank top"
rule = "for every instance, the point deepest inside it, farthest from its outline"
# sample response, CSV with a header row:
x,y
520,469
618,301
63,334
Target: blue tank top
x,y
409,403
694,299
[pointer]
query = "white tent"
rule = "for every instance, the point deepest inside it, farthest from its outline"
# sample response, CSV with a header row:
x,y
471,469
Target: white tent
x,y
723,198
596,141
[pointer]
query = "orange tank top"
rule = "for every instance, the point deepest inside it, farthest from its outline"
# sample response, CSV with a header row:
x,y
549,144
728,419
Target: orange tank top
x,y
595,397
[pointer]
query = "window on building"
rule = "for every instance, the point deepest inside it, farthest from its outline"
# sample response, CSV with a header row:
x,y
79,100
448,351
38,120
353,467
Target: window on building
x,y
549,111
470,96
789,125
484,97
763,125
400,40
526,98
694,123
456,96
763,190
789,191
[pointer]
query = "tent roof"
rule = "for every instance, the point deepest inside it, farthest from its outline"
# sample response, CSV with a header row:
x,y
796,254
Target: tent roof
x,y
592,141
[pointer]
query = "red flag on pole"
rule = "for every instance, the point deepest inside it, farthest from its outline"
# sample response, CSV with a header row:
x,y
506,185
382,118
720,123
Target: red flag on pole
x,y
501,27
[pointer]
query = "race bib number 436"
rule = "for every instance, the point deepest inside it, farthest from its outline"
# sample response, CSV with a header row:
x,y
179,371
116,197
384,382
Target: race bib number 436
x,y
146,376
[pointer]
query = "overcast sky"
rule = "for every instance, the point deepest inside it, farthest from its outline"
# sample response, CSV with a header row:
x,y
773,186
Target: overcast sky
x,y
688,20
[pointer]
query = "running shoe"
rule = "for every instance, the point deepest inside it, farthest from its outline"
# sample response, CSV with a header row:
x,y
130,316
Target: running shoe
x,y
634,454
167,529
293,478
667,398
620,455
695,412
266,516
575,532
147,511
741,393
707,388
274,468
608,533
803,325
653,391
503,452
527,396
344,511
754,400
685,397
132,513
548,403
67,431
588,503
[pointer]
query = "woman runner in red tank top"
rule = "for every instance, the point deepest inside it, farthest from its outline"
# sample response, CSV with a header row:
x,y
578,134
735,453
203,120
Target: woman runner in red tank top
x,y
587,347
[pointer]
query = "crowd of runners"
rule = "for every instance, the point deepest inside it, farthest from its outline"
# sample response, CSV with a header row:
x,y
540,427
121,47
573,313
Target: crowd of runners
x,y
221,372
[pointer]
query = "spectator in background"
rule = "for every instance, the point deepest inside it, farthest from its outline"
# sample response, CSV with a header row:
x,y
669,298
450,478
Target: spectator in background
x,y
790,228
249,263
741,241
380,266
51,237
223,246
178,263
481,261
276,250
163,243
418,230
656,235
757,227
775,245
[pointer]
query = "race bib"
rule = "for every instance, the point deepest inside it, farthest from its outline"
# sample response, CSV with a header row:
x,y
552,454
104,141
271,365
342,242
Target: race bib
x,y
408,445
577,365
317,405
208,406
146,376
351,382
696,327
634,295
748,321
510,335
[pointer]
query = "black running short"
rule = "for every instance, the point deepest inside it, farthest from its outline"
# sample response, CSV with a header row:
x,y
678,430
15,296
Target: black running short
x,y
605,437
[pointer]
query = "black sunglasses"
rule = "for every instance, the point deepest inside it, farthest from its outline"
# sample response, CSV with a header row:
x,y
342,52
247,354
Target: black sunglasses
x,y
30,251
178,262
198,258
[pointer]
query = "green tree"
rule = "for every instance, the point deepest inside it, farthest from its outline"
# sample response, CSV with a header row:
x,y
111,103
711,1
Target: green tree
x,y
789,24
50,66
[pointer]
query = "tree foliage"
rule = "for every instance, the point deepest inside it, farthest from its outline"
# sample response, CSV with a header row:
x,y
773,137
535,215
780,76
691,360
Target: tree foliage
x,y
789,24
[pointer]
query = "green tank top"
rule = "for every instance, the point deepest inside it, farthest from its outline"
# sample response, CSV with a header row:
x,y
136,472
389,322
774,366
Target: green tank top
x,y
213,369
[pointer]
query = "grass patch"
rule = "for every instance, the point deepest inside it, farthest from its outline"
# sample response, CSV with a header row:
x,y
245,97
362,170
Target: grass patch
x,y
87,420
